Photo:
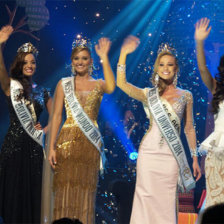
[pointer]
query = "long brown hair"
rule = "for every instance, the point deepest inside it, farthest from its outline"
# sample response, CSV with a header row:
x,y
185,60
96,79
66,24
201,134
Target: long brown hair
x,y
219,91
161,84
16,72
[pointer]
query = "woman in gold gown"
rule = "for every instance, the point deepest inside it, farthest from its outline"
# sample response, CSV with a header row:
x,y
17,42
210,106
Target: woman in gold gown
x,y
75,160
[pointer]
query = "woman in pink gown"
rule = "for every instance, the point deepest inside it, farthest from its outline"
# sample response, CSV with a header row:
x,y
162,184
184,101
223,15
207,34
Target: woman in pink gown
x,y
157,168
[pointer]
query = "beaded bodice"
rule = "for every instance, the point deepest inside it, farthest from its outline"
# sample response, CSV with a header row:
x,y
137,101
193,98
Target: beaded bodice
x,y
89,100
179,104
39,97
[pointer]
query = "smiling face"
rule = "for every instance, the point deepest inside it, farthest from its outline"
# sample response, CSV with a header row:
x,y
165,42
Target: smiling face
x,y
81,62
167,67
29,66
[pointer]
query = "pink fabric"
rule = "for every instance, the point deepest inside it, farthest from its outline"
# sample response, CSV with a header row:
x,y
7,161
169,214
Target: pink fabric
x,y
157,175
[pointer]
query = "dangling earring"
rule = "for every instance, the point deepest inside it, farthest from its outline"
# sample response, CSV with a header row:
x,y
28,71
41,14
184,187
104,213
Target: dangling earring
x,y
73,71
156,79
90,69
175,80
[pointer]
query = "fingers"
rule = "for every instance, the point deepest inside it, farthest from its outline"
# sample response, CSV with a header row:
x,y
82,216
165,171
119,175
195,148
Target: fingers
x,y
5,32
7,29
133,38
202,29
209,29
52,161
203,23
38,126
197,173
103,46
53,165
198,177
96,47
197,24
132,41
103,43
52,156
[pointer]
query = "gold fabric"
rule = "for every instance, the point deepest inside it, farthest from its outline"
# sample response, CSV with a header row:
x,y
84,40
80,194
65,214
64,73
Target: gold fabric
x,y
78,162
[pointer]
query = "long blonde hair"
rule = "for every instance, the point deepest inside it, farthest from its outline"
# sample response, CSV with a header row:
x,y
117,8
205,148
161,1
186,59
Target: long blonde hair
x,y
161,84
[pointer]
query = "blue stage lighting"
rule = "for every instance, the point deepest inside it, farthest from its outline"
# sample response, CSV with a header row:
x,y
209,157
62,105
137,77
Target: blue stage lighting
x,y
133,156
142,19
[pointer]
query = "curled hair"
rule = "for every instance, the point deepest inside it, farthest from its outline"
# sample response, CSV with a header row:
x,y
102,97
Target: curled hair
x,y
162,84
219,91
16,72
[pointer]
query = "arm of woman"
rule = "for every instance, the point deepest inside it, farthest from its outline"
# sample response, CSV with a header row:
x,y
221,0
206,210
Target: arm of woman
x,y
5,33
201,33
129,45
102,49
55,122
49,110
191,135
49,105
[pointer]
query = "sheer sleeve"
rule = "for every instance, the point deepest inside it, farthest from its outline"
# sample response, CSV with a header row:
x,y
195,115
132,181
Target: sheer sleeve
x,y
129,89
206,76
189,124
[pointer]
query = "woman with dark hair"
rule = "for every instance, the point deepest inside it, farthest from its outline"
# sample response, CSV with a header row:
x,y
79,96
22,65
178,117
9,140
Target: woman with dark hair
x,y
214,144
21,154
161,157
76,152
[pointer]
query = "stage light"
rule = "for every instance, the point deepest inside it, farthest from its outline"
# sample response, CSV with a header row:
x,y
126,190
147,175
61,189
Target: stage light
x,y
133,156
78,36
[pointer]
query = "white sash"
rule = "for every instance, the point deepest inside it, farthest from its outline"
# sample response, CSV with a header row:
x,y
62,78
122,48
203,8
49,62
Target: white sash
x,y
82,119
23,113
172,137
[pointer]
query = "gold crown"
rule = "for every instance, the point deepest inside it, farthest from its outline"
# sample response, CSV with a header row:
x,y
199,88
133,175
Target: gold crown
x,y
164,47
81,42
29,48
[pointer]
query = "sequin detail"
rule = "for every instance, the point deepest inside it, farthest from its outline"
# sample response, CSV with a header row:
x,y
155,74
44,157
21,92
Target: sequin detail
x,y
78,162
179,107
21,161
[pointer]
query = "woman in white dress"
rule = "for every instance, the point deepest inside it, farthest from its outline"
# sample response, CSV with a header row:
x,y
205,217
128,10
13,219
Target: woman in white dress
x,y
214,144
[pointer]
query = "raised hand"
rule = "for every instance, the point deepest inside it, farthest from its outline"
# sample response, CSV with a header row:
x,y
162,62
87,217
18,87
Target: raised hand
x,y
5,32
201,29
130,44
103,47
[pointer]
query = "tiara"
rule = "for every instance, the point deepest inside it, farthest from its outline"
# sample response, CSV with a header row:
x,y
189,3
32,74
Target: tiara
x,y
81,42
28,47
164,47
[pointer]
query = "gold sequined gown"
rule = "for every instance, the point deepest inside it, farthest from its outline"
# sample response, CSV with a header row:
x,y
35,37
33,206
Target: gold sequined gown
x,y
78,163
